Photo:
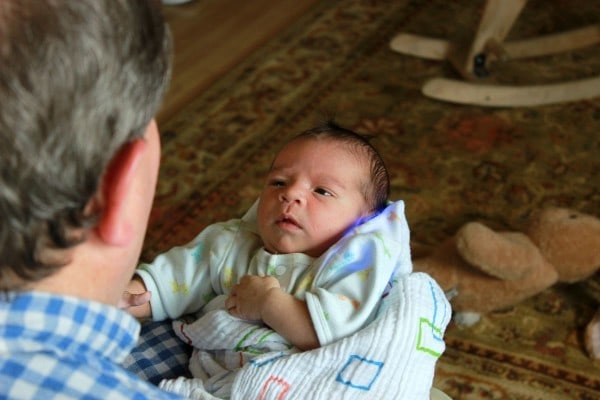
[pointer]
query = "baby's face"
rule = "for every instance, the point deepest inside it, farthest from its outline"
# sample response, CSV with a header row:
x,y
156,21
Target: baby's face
x,y
311,197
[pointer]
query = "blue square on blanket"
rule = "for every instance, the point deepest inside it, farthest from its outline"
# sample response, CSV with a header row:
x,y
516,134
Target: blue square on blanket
x,y
359,372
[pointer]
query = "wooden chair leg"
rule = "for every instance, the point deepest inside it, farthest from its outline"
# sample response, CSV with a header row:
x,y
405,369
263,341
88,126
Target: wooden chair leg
x,y
462,92
439,49
488,44
497,20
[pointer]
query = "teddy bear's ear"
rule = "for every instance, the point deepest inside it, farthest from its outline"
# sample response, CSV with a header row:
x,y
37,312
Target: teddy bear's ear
x,y
569,240
505,255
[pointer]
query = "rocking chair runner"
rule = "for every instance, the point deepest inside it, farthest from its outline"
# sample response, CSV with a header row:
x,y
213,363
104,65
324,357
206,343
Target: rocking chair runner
x,y
488,46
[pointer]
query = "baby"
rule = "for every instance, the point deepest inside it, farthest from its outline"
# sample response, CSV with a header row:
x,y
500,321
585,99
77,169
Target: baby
x,y
311,259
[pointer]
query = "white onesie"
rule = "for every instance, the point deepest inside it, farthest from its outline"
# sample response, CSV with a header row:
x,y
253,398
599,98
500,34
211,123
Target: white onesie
x,y
342,288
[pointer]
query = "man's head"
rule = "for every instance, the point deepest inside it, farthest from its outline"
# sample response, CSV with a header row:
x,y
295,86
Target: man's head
x,y
79,82
320,184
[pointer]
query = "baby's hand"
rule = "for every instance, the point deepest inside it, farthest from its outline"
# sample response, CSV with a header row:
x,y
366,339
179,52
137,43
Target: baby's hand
x,y
133,299
248,297
136,299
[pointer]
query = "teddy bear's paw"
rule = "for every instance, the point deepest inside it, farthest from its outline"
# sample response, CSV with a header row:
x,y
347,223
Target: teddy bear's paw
x,y
466,318
503,255
592,337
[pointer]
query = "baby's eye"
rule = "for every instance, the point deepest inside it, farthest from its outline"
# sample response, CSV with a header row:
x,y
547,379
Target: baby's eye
x,y
323,192
276,182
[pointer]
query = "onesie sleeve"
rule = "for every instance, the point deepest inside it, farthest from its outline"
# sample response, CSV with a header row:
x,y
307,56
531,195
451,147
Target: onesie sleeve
x,y
354,275
185,278
179,279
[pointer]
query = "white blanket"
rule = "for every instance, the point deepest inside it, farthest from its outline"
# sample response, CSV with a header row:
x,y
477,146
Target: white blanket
x,y
392,358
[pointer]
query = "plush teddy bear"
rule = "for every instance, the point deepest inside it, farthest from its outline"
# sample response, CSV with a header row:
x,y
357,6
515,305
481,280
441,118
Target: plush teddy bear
x,y
484,270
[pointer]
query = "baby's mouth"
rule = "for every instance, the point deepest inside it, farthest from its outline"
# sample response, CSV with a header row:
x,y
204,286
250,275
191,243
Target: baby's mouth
x,y
287,221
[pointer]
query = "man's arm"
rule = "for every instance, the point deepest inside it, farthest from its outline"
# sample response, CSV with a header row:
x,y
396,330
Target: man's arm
x,y
261,298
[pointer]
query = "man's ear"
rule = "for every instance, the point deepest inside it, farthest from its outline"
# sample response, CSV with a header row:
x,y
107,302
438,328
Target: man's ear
x,y
114,226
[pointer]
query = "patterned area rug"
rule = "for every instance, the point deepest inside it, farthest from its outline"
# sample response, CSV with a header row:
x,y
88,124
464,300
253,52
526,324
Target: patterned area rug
x,y
450,163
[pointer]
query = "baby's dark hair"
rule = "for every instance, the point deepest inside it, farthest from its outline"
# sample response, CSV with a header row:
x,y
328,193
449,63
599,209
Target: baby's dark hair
x,y
377,189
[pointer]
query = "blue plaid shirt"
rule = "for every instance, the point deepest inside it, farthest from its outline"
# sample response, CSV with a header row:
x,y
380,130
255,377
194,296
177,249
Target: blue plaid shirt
x,y
61,347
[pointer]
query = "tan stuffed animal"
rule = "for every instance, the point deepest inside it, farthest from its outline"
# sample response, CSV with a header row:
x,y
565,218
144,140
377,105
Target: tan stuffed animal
x,y
485,270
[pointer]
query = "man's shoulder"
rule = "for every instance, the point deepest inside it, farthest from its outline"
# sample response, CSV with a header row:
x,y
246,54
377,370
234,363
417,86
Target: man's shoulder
x,y
42,373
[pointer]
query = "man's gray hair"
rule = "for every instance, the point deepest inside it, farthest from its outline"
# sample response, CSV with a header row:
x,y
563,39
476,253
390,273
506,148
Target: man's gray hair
x,y
78,80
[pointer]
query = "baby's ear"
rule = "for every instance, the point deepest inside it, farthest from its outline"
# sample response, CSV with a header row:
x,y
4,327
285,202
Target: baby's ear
x,y
114,226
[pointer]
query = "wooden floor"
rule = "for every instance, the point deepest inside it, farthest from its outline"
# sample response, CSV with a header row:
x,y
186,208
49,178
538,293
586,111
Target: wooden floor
x,y
211,36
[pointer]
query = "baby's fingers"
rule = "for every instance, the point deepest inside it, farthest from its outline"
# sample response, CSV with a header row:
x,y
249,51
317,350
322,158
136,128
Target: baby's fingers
x,y
132,299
